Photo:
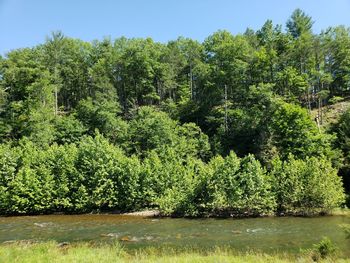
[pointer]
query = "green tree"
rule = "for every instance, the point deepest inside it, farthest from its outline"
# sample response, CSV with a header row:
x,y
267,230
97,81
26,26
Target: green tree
x,y
29,106
299,23
295,133
68,61
342,131
154,130
337,53
68,129
102,115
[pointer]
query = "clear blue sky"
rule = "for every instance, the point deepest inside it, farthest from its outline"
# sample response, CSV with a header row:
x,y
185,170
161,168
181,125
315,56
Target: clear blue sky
x,y
26,23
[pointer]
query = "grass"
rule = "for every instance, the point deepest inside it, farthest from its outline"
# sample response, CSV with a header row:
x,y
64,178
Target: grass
x,y
83,252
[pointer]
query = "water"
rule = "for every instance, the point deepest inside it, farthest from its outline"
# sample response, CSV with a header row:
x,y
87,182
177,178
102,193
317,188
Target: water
x,y
287,234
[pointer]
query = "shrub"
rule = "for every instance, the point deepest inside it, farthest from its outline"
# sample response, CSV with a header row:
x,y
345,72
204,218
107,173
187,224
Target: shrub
x,y
29,185
180,177
61,161
306,186
324,249
8,166
239,186
109,177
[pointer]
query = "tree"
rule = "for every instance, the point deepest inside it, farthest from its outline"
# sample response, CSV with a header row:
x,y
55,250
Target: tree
x,y
102,115
135,73
133,123
68,61
29,105
290,84
299,23
68,129
295,133
154,130
342,131
337,59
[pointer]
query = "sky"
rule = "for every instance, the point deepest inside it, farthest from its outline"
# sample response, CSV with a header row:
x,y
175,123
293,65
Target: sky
x,y
26,23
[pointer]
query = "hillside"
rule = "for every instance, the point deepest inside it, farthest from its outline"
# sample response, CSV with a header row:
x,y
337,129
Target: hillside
x,y
331,113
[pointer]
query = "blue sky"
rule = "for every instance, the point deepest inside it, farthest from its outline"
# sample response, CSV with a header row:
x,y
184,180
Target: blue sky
x,y
25,23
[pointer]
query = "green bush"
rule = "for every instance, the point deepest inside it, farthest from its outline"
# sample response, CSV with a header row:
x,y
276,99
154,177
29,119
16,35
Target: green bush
x,y
324,249
97,175
335,99
237,186
180,198
256,196
306,186
109,177
29,185
8,168
168,181
61,161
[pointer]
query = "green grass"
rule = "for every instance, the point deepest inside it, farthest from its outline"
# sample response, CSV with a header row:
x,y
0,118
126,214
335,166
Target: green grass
x,y
52,252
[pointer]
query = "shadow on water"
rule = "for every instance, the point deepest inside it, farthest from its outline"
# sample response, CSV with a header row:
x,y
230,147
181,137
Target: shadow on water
x,y
271,234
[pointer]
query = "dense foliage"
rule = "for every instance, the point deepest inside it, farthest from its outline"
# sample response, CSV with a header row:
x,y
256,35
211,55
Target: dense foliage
x,y
191,128
97,175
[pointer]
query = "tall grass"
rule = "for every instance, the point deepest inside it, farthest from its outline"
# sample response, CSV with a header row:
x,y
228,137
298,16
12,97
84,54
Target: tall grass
x,y
85,253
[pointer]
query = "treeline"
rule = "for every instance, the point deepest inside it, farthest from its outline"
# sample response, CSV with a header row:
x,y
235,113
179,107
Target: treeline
x,y
191,128
95,175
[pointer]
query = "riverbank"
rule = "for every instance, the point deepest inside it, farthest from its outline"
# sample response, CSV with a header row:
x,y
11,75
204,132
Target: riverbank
x,y
157,213
341,212
84,252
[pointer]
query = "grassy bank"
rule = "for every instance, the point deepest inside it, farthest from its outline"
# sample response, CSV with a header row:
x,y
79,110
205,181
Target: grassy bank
x,y
53,252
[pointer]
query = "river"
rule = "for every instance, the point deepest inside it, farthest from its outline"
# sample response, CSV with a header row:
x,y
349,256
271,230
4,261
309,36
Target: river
x,y
271,234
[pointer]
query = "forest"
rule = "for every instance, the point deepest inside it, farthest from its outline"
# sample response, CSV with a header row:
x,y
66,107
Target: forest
x,y
222,127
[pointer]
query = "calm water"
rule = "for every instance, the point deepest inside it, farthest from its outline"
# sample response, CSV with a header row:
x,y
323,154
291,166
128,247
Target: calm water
x,y
265,234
